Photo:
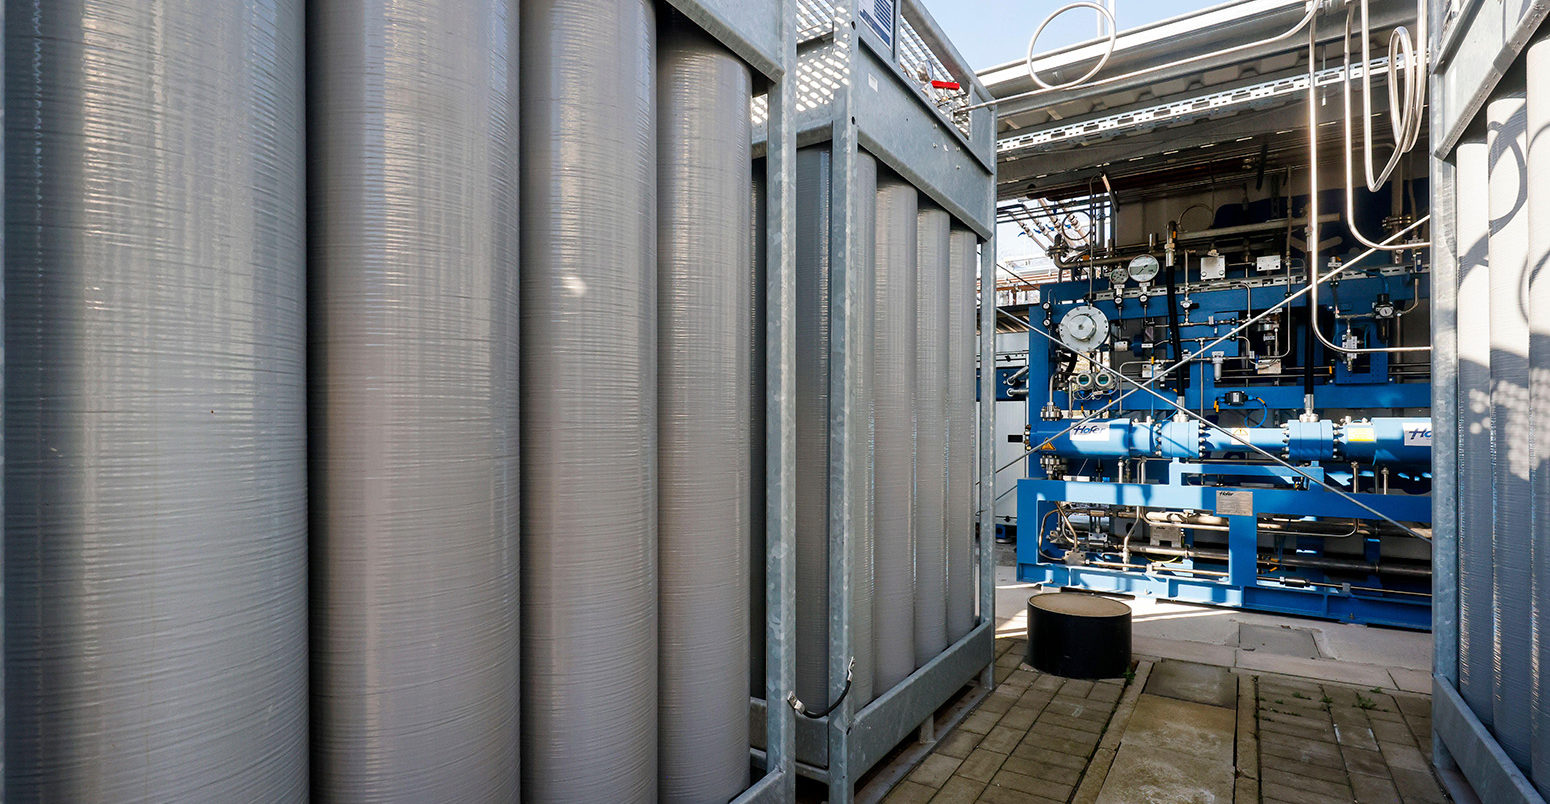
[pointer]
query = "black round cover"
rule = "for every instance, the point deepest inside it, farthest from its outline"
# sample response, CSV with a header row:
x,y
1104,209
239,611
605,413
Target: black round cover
x,y
1078,636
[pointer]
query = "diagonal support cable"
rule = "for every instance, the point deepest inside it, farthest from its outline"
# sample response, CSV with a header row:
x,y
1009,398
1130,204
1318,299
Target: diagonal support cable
x,y
1245,442
1187,359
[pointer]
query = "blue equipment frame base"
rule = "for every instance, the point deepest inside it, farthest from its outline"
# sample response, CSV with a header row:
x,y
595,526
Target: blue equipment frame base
x,y
1243,586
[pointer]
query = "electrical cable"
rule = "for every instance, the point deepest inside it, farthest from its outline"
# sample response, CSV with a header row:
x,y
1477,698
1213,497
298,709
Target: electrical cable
x,y
801,708
1181,382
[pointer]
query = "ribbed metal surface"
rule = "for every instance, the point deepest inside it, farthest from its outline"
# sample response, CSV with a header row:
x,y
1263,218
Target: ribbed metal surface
x,y
589,328
1476,654
812,424
894,386
962,263
758,561
863,241
155,409
933,230
413,300
1538,175
704,282
1511,573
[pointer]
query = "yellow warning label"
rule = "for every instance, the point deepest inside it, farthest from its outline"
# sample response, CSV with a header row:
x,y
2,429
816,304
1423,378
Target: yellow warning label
x,y
1360,434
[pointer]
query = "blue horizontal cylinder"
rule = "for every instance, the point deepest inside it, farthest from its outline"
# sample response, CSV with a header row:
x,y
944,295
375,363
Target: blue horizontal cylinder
x,y
1387,440
1269,439
1310,441
1374,441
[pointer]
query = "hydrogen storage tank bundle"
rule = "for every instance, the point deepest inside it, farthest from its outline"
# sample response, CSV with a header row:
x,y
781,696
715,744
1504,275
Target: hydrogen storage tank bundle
x,y
405,401
1491,239
894,214
262,359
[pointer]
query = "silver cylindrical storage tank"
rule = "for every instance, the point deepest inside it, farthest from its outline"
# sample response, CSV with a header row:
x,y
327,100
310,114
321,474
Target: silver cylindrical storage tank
x,y
811,245
155,401
589,451
962,438
1476,607
893,387
863,240
704,281
413,300
758,559
933,229
1512,576
1538,175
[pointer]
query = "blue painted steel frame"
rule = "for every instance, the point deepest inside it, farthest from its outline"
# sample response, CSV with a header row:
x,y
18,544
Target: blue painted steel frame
x,y
1218,312
1242,587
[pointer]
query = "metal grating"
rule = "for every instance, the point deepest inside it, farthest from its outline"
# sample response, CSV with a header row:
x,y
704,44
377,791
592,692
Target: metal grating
x,y
820,73
815,18
1216,104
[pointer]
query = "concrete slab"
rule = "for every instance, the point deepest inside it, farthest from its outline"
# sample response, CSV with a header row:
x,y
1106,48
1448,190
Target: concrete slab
x,y
1411,680
1142,774
1204,653
1170,725
1174,751
1359,644
1161,619
1322,669
1282,640
1191,681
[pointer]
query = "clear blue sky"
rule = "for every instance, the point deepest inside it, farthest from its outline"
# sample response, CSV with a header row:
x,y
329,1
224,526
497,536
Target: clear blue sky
x,y
992,32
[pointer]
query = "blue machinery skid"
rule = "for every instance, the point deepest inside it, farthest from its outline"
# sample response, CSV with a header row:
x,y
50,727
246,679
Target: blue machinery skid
x,y
1296,483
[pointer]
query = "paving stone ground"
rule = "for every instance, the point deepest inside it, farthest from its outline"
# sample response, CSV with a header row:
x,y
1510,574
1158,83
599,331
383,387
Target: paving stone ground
x,y
1048,740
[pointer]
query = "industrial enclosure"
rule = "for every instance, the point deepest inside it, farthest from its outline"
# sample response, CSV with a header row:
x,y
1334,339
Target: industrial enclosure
x,y
420,401
751,401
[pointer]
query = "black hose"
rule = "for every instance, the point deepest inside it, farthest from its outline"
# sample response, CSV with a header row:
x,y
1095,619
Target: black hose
x,y
1181,378
1307,353
801,708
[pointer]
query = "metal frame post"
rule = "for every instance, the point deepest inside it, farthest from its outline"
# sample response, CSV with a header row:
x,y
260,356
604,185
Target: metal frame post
x,y
843,368
987,517
780,418
1444,296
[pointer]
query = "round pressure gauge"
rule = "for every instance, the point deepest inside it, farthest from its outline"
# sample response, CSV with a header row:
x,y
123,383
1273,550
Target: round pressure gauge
x,y
1117,275
1144,268
1084,329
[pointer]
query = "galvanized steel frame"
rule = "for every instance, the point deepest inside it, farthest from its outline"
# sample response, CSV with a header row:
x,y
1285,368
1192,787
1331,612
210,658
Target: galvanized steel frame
x,y
764,35
880,111
1472,52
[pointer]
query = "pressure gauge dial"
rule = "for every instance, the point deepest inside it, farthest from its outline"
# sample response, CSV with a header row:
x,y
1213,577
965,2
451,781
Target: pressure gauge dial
x,y
1144,268
1117,276
1084,329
